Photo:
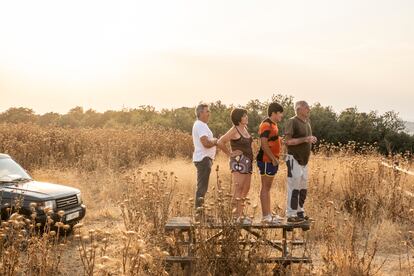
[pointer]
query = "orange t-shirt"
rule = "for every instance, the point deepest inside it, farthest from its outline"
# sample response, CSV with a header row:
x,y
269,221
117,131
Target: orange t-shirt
x,y
269,130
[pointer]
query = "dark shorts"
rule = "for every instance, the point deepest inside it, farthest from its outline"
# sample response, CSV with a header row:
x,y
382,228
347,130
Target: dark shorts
x,y
267,168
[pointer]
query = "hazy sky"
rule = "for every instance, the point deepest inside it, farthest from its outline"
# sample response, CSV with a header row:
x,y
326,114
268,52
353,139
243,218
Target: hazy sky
x,y
55,55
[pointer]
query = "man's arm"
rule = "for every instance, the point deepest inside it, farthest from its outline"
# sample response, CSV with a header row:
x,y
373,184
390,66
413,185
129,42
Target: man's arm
x,y
208,143
289,141
297,141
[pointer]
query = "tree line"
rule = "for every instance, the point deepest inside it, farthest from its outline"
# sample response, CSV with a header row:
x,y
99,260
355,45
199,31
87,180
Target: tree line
x,y
385,130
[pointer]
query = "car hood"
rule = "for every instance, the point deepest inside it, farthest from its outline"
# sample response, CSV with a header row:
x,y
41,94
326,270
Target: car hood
x,y
40,190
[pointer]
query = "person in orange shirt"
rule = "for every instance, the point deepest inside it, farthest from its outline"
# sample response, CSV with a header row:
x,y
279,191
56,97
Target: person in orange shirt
x,y
268,157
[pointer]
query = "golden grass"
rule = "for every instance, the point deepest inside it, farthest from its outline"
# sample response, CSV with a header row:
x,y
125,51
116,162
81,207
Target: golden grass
x,y
90,149
362,216
347,200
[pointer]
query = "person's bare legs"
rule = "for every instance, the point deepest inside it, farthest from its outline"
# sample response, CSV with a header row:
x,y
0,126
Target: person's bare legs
x,y
265,194
245,188
240,181
246,184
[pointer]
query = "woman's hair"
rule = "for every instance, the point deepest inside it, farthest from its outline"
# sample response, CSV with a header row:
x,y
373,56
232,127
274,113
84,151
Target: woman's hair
x,y
237,114
274,107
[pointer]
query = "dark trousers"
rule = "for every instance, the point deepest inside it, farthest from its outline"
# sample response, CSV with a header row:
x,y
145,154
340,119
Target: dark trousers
x,y
203,175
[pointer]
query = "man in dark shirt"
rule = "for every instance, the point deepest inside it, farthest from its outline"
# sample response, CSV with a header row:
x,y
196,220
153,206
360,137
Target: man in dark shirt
x,y
299,140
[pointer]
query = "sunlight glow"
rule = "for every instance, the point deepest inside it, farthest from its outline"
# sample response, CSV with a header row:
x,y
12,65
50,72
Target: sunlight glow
x,y
204,50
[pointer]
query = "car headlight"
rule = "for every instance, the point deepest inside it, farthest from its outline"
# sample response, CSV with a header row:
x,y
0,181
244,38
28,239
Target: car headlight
x,y
50,204
79,198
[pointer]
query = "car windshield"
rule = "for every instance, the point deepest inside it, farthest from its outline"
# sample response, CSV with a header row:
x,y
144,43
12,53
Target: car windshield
x,y
11,171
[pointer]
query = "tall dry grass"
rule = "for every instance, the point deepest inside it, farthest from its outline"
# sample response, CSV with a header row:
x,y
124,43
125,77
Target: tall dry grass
x,y
90,149
132,181
29,248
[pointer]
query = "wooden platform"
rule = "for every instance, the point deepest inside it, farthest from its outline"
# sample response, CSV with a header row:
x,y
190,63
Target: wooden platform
x,y
186,223
258,237
280,260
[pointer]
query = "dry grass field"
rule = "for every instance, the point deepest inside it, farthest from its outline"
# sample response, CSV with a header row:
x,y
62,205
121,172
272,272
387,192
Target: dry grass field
x,y
132,181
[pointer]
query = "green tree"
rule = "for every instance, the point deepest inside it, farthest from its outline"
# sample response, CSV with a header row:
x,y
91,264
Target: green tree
x,y
73,118
390,122
92,119
220,121
49,119
181,118
257,112
18,115
324,123
350,125
358,127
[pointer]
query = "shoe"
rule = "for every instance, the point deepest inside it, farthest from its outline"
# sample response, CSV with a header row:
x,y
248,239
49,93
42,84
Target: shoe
x,y
272,219
295,220
303,216
267,219
244,220
277,219
197,217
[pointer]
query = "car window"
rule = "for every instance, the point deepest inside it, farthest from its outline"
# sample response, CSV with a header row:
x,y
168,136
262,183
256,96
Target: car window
x,y
9,168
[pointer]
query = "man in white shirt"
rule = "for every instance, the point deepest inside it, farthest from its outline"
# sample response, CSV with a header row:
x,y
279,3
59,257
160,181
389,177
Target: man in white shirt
x,y
204,151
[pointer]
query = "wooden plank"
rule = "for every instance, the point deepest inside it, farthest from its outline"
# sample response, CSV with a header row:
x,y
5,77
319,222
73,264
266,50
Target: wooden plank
x,y
285,260
183,223
180,259
274,245
395,167
278,242
186,223
407,193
